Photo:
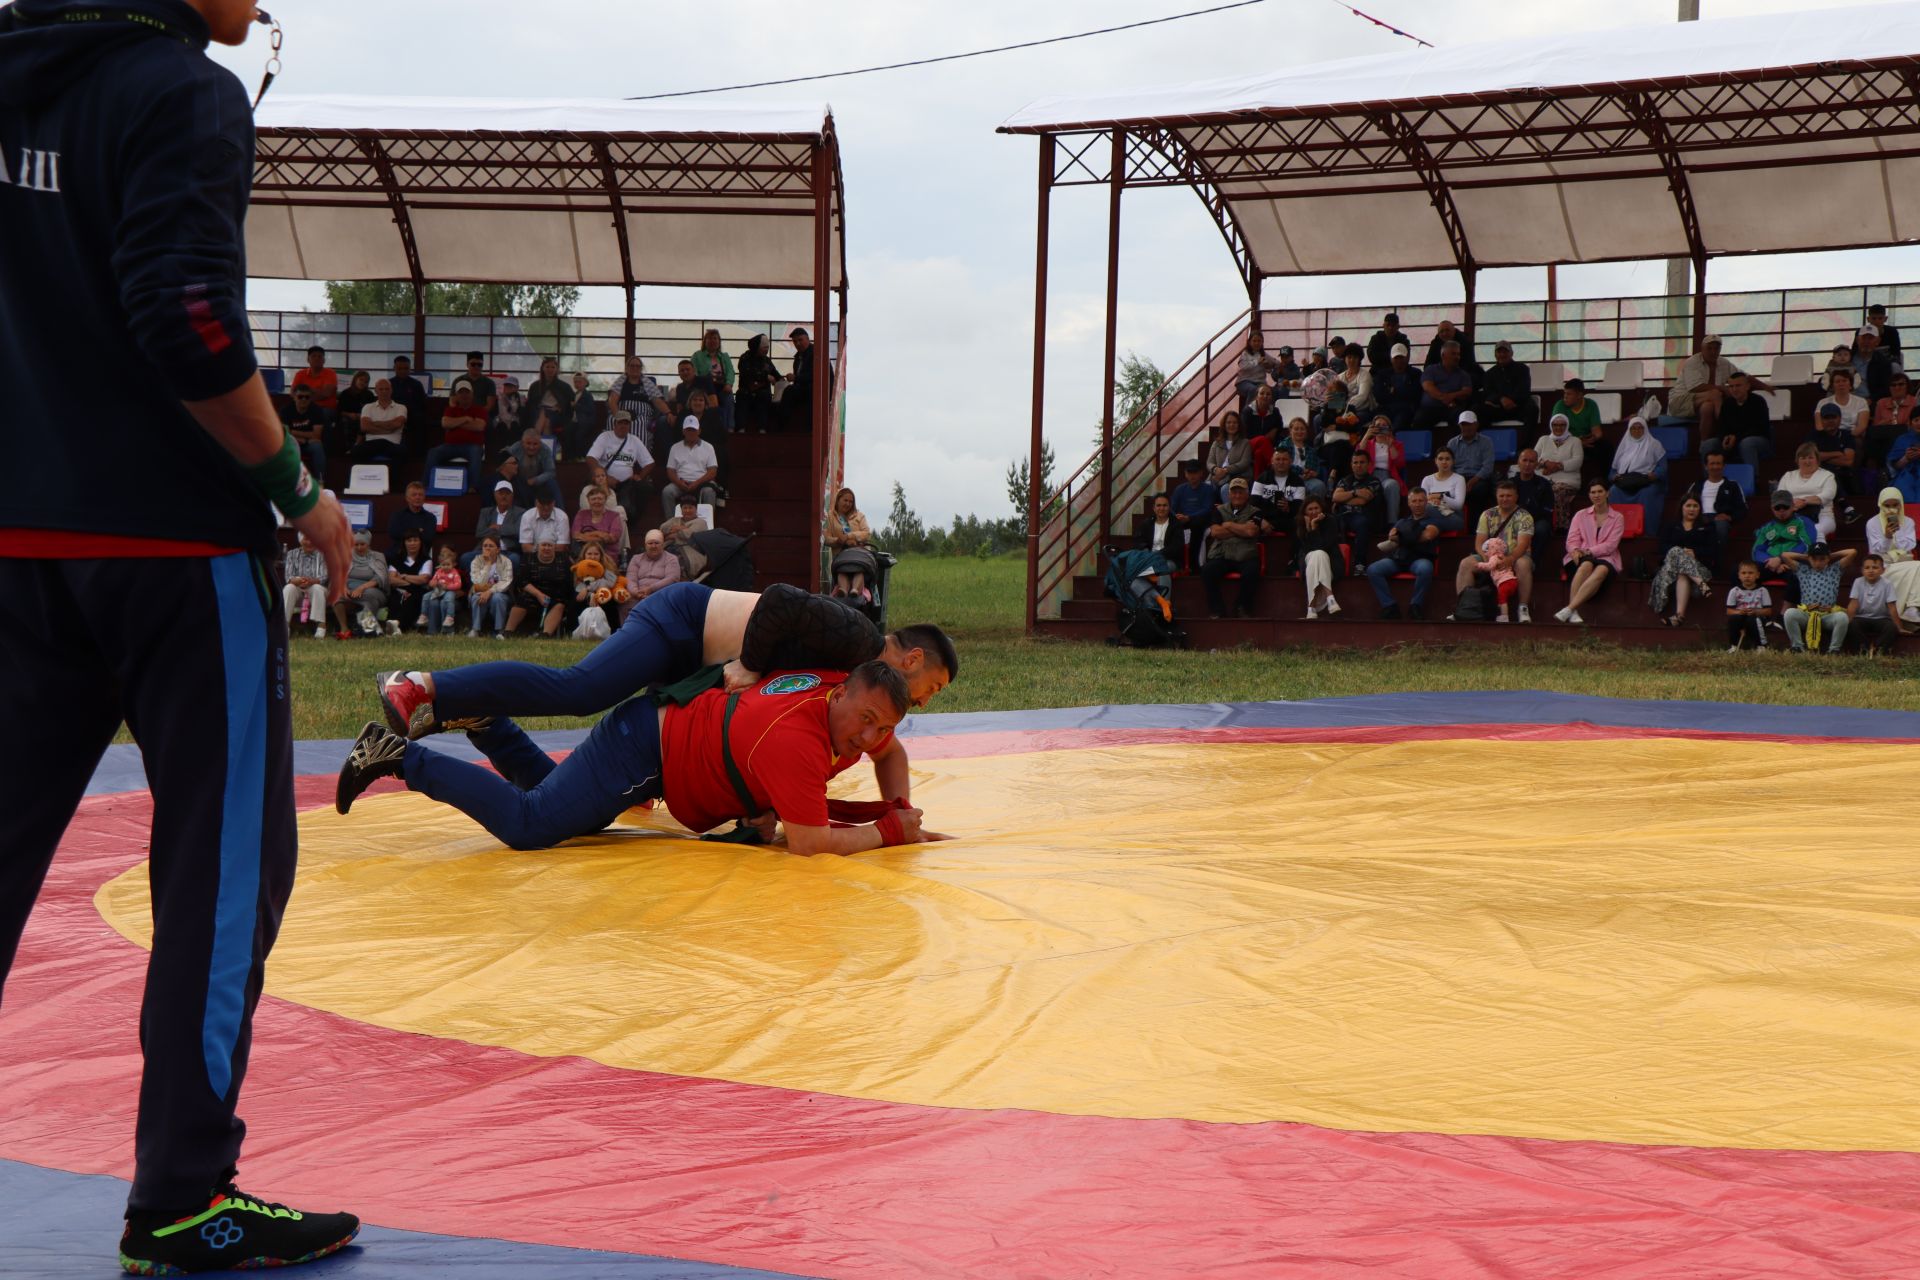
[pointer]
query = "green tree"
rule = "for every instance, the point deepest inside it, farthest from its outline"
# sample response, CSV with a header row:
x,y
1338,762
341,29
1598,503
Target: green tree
x,y
1139,383
1018,474
903,533
395,298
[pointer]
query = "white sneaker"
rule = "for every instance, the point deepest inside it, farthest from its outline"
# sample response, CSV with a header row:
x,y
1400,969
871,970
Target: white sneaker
x,y
1311,615
1502,618
1573,615
1333,606
319,633
1564,615
1526,614
1733,648
393,628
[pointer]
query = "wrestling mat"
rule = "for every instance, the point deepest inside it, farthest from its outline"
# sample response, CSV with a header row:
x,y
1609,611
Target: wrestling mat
x,y
1515,985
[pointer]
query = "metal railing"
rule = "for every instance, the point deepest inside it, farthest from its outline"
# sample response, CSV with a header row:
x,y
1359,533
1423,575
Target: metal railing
x,y
1584,335
513,345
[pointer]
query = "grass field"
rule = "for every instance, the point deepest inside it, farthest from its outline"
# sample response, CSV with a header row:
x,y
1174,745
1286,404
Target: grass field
x,y
979,601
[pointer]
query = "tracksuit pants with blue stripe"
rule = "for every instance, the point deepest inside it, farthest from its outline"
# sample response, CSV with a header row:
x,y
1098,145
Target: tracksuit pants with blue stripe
x,y
191,653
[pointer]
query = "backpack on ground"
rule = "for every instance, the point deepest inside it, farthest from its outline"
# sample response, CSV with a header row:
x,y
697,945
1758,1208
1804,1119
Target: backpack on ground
x,y
1476,604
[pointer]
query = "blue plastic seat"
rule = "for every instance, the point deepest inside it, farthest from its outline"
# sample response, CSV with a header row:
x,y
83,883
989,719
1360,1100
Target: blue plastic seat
x,y
1506,443
1419,444
1678,441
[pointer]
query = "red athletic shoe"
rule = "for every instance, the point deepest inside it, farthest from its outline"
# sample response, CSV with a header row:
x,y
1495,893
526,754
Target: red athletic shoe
x,y
408,708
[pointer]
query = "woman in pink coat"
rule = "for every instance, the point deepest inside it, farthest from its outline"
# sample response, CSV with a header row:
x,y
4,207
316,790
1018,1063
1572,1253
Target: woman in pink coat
x,y
1593,551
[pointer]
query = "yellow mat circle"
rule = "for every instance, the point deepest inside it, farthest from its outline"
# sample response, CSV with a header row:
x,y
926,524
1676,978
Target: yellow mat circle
x,y
1655,941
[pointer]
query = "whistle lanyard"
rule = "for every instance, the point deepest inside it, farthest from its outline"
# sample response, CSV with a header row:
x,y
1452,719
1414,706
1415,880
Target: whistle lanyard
x,y
185,36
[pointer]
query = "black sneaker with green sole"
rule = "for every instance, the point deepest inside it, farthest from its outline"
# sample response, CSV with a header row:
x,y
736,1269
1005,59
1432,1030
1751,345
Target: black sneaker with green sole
x,y
234,1233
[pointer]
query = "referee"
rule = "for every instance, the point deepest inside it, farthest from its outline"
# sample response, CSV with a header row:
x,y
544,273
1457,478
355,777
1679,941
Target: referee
x,y
138,567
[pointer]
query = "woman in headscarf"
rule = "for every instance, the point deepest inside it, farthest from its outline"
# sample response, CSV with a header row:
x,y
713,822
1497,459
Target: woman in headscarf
x,y
1688,549
855,569
1639,471
753,406
1231,456
1890,533
1562,455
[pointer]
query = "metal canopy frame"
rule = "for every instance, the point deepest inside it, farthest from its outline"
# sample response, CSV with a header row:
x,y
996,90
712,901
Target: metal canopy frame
x,y
711,174
1673,129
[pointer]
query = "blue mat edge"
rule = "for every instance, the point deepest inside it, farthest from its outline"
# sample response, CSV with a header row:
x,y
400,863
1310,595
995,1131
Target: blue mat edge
x,y
120,770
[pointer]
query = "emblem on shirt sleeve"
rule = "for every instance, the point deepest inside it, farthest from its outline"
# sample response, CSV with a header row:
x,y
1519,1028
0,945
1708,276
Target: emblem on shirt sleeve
x,y
790,684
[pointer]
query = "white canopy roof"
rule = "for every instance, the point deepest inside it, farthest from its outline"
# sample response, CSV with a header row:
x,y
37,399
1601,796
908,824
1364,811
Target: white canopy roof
x,y
1738,135
541,191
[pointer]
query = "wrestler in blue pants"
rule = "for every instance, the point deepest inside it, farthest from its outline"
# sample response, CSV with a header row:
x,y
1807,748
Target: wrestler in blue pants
x,y
533,802
661,640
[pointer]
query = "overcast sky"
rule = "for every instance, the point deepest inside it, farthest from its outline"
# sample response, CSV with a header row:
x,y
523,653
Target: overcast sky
x,y
940,207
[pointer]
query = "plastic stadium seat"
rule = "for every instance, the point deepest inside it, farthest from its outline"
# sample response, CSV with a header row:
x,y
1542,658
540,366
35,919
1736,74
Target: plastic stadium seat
x,y
1506,443
1779,404
1678,440
1633,519
1608,403
367,479
1621,375
1791,371
1913,512
437,489
276,380
1419,444
1741,474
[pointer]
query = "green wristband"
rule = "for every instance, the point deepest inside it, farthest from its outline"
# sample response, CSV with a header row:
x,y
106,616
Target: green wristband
x,y
287,483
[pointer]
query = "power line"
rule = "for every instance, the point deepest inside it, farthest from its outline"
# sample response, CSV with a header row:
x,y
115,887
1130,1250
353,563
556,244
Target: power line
x,y
955,57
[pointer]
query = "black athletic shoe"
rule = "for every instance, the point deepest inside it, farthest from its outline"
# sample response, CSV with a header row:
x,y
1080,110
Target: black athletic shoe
x,y
1389,613
377,753
235,1232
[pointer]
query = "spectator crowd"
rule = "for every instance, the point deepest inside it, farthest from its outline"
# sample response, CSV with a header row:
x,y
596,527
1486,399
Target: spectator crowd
x,y
655,459
1334,476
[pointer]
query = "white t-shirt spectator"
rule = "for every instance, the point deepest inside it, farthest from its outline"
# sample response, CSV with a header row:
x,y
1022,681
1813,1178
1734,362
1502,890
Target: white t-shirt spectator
x,y
1749,598
620,457
1453,489
385,424
1710,495
1875,598
555,528
689,464
1819,485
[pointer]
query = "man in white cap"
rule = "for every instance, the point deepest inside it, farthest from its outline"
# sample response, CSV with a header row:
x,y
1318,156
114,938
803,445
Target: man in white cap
x,y
1473,459
628,463
691,467
1873,369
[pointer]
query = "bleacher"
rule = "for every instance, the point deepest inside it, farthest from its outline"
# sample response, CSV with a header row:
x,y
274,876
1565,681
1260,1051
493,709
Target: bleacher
x,y
1620,614
766,488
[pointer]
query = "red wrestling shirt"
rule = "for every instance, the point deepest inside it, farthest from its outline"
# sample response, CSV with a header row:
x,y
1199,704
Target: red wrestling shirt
x,y
780,745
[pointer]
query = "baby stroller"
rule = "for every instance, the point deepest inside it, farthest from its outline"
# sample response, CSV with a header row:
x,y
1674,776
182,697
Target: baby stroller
x,y
1142,583
876,567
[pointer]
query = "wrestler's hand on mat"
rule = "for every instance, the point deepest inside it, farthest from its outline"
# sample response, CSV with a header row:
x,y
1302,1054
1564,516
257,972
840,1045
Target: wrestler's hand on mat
x,y
738,677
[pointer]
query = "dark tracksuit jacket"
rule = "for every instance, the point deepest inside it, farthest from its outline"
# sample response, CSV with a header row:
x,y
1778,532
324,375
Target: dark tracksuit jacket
x,y
137,562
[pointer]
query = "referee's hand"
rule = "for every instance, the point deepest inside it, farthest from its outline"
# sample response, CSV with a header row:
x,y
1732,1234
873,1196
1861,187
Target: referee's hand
x,y
326,527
